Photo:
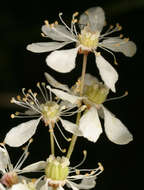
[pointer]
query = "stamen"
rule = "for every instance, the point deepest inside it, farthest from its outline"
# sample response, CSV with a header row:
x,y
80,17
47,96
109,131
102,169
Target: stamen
x,y
12,116
24,155
84,158
100,166
67,139
38,85
117,98
62,150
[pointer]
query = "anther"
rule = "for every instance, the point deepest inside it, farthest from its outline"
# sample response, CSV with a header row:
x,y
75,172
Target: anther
x,y
38,84
126,93
77,172
12,100
17,113
69,139
50,130
126,39
64,150
121,35
100,166
56,22
75,14
12,116
18,98
31,140
84,152
29,91
46,22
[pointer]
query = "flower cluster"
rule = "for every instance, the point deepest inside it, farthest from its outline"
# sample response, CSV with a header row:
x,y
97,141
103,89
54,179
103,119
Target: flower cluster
x,y
55,101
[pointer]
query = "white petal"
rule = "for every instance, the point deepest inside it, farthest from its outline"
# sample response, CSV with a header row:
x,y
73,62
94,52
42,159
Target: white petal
x,y
58,33
107,72
87,183
65,96
45,46
20,134
2,187
62,61
19,186
4,159
55,83
93,17
72,185
90,125
35,167
128,48
71,127
115,129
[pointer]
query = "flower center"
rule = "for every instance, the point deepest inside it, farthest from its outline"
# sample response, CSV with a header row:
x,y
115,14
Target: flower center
x,y
96,93
50,111
9,179
57,170
88,39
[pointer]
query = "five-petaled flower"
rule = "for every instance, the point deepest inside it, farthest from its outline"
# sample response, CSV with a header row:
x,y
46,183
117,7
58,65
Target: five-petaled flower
x,y
47,110
95,93
58,173
91,23
11,174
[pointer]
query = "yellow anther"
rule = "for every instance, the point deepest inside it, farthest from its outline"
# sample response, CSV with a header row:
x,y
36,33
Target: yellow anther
x,y
126,93
12,116
92,172
100,166
69,139
46,22
56,22
121,35
29,91
75,14
33,180
35,94
12,100
18,97
31,140
42,34
64,150
17,113
77,172
24,99
52,25
2,143
38,84
84,152
115,62
86,174
43,83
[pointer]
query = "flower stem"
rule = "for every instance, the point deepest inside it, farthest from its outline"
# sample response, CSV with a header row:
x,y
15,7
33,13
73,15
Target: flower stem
x,y
74,137
52,140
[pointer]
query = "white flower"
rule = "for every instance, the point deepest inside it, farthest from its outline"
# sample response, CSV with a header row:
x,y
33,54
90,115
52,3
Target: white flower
x,y
47,110
10,173
58,173
91,23
95,94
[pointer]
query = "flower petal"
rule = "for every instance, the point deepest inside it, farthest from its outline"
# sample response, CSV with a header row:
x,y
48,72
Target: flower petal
x,y
93,17
35,167
45,46
72,185
128,48
71,127
65,96
87,183
20,134
19,186
115,129
58,32
107,72
90,125
55,83
4,159
62,61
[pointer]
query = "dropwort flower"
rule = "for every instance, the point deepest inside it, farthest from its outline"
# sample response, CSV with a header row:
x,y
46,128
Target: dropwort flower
x,y
94,95
10,173
91,23
48,111
58,173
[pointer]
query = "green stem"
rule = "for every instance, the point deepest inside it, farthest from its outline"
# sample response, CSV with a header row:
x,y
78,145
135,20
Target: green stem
x,y
52,140
74,137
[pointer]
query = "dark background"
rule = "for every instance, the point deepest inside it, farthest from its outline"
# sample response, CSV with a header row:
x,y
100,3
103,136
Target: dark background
x,y
20,25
